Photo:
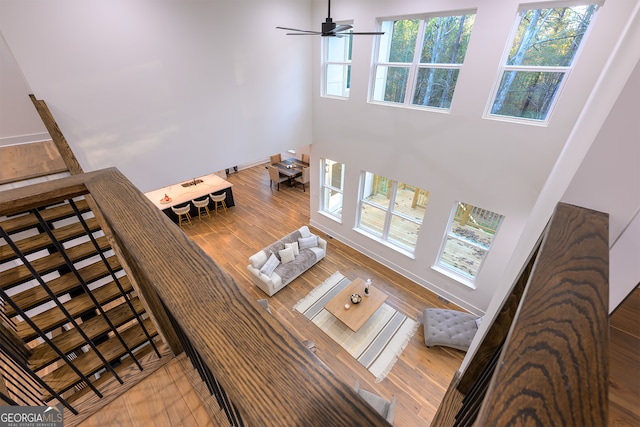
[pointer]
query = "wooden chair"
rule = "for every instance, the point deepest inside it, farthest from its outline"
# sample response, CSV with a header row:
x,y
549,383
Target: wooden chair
x,y
202,204
303,179
275,177
219,199
305,158
182,211
276,158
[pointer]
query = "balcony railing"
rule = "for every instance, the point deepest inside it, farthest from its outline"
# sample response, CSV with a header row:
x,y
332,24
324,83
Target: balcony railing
x,y
544,358
261,373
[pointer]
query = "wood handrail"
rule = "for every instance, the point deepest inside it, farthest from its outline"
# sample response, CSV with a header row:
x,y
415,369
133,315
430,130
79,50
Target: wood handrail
x,y
57,136
16,200
270,376
554,369
551,336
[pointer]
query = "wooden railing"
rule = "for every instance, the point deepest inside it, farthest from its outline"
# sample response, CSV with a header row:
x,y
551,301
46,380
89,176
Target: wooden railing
x,y
477,217
543,361
269,376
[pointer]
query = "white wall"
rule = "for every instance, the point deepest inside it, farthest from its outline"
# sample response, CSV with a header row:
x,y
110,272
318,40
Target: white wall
x,y
608,180
458,155
165,90
19,121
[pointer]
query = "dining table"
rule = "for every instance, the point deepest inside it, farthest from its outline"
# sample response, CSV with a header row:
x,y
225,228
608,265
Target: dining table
x,y
291,167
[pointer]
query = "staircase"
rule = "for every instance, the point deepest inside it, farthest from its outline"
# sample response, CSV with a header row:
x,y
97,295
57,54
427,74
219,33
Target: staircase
x,y
68,306
72,326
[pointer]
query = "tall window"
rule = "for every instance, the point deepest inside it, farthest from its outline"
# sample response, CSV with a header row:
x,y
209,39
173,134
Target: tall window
x,y
391,211
337,65
544,46
419,60
332,187
469,236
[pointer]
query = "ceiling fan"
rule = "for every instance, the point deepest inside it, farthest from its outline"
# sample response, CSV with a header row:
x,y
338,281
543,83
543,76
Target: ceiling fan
x,y
329,29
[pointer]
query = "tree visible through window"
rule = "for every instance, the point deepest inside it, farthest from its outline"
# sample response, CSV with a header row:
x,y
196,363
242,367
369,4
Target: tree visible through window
x,y
421,57
544,46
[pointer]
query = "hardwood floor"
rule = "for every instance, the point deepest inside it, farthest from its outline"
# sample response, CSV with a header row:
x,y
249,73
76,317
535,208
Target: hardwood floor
x,y
263,215
165,398
420,376
624,363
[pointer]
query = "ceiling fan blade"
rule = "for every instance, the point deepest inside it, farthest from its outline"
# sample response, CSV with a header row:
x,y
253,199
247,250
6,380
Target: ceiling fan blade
x,y
341,28
300,31
349,34
365,34
329,28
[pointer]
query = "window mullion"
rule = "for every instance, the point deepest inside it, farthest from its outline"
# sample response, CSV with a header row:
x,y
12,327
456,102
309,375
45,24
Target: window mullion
x,y
413,69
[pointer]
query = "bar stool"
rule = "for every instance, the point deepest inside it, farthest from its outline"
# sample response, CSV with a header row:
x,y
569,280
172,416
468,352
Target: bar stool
x,y
202,204
182,212
219,198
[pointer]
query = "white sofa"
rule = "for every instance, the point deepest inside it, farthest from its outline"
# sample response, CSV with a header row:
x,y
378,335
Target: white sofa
x,y
272,278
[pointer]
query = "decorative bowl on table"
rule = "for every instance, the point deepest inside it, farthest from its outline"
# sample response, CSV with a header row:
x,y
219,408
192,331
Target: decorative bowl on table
x,y
356,298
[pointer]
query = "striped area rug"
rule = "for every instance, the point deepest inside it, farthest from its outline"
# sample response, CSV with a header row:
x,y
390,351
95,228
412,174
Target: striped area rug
x,y
377,344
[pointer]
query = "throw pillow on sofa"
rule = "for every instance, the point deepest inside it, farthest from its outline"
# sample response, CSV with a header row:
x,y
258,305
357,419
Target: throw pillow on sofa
x,y
258,259
308,242
294,245
286,255
270,265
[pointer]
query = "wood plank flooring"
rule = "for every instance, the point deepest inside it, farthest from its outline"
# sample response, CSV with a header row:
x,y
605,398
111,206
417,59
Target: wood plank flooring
x,y
624,363
165,398
420,377
263,215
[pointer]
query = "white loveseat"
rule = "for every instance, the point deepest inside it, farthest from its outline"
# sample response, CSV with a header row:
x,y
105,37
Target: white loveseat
x,y
278,264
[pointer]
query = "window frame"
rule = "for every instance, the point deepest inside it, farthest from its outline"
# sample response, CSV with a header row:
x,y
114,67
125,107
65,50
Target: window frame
x,y
324,187
450,271
346,63
505,68
389,213
415,66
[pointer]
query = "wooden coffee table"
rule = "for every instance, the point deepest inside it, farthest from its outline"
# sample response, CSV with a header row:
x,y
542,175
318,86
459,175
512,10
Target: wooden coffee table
x,y
357,314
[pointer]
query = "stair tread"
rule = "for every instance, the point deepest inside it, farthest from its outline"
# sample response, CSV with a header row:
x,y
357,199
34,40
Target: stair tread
x,y
37,295
70,340
18,223
89,363
42,241
127,370
78,305
51,262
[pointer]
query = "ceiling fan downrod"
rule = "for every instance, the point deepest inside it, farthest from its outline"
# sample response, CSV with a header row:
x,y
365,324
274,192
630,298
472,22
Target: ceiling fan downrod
x,y
328,25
